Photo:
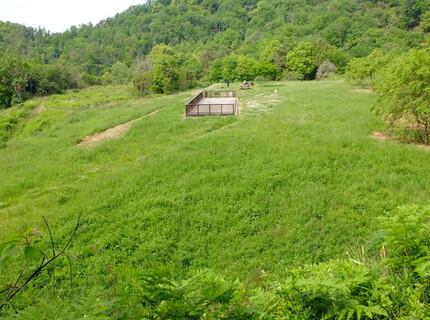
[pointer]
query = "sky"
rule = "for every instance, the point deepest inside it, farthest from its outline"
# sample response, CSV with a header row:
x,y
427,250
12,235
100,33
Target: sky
x,y
60,15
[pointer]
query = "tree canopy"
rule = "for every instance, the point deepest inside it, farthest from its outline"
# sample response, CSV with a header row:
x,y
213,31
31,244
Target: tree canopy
x,y
256,35
404,88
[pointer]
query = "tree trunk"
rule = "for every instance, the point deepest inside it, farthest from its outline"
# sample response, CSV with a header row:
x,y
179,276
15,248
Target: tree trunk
x,y
426,133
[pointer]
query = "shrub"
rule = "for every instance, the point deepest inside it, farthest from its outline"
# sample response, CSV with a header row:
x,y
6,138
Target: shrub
x,y
404,93
407,239
292,75
143,82
260,79
50,79
9,120
325,70
204,84
339,58
362,71
300,60
336,290
406,253
14,81
120,73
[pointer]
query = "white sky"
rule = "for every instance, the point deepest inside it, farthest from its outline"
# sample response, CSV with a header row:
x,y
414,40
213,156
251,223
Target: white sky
x,y
60,15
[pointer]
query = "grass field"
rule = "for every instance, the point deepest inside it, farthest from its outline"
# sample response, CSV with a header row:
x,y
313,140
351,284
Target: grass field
x,y
296,178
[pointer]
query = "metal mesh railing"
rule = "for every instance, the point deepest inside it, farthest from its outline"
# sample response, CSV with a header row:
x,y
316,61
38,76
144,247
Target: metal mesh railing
x,y
196,107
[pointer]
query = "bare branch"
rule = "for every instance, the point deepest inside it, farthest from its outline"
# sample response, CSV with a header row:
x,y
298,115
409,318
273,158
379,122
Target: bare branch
x,y
21,273
70,271
50,236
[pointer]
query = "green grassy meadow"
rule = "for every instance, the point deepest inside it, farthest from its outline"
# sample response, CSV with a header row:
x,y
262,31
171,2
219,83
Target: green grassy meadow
x,y
296,178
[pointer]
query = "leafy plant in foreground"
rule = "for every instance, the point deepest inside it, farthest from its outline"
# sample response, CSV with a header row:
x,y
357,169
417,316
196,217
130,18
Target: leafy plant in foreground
x,y
24,244
395,286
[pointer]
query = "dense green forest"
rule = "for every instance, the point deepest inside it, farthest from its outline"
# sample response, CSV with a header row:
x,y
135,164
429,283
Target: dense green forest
x,y
206,41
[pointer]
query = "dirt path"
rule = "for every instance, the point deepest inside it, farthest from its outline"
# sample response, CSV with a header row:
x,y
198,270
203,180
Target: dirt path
x,y
112,133
383,136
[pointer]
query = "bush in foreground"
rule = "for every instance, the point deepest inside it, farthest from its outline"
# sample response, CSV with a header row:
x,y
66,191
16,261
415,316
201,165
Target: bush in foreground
x,y
394,285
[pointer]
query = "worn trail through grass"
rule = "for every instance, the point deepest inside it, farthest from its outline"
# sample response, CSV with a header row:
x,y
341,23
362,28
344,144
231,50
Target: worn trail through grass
x,y
111,133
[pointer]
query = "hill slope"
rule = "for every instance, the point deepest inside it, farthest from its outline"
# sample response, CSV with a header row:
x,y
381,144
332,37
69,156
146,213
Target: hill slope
x,y
296,178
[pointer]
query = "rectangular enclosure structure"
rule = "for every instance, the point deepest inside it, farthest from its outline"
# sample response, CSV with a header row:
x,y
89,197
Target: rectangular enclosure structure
x,y
208,103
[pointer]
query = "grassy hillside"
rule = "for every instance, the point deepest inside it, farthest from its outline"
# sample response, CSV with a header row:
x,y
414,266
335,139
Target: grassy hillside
x,y
296,178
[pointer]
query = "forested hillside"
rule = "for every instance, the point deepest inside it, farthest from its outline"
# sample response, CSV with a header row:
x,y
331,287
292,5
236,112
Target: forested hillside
x,y
208,40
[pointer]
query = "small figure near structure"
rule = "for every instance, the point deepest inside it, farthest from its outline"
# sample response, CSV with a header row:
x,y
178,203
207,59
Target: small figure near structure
x,y
247,84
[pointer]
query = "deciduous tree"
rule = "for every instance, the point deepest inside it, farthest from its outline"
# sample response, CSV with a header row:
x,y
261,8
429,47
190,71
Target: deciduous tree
x,y
300,60
404,89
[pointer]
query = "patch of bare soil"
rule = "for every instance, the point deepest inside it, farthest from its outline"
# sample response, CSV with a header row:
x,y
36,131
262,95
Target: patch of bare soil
x,y
383,136
112,133
422,146
40,108
362,90
379,135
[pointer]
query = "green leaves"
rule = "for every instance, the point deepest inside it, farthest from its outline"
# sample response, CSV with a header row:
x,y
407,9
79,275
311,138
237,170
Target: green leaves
x,y
9,251
11,245
8,248
408,238
6,254
300,60
203,295
404,93
362,71
14,77
32,253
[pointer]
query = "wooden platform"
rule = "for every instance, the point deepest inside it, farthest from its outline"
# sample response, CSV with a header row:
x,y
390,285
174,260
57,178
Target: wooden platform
x,y
208,103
